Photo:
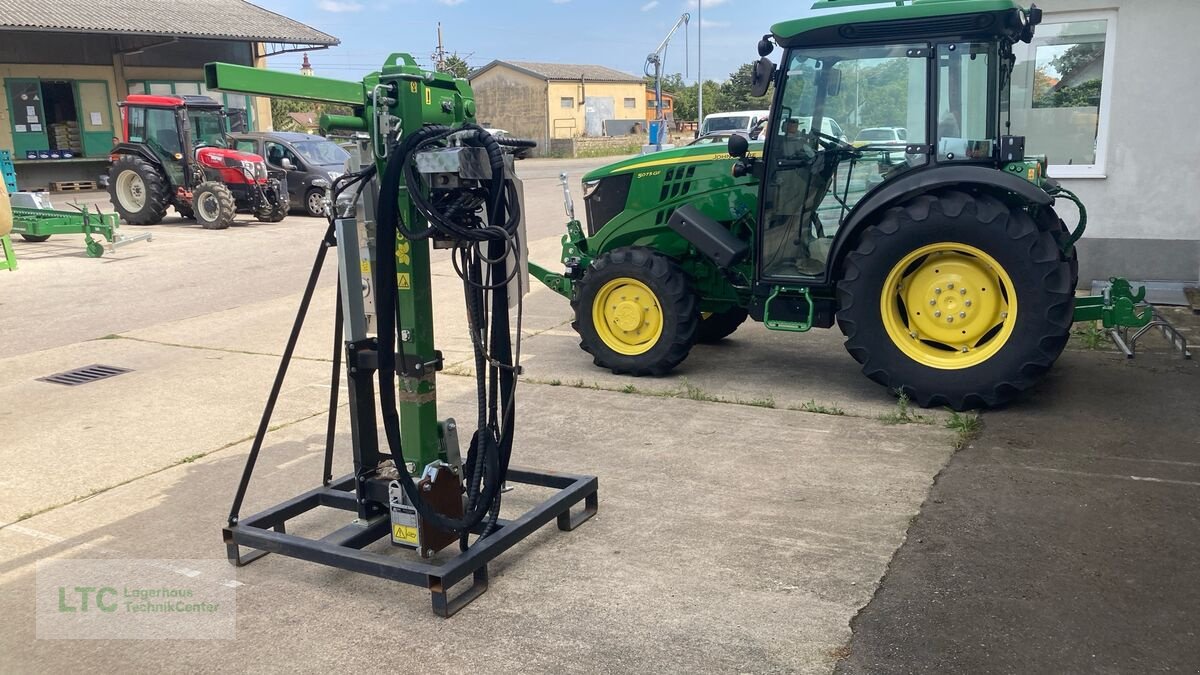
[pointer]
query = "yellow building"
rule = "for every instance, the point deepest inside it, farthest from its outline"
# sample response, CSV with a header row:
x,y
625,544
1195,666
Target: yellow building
x,y
544,101
66,64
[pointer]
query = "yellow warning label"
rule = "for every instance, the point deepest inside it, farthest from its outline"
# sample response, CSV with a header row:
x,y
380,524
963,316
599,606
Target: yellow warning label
x,y
365,266
402,282
402,250
404,533
412,86
428,96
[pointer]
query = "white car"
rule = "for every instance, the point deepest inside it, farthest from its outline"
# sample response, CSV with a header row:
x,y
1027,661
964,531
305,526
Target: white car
x,y
744,120
892,137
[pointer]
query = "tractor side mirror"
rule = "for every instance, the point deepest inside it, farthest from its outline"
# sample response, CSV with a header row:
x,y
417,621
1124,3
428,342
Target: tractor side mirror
x,y
833,82
761,81
738,146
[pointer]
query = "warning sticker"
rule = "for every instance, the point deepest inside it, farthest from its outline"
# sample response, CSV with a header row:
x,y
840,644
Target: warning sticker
x,y
403,282
403,534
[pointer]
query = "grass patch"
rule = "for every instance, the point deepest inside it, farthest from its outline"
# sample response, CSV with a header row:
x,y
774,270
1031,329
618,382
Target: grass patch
x,y
904,413
811,406
1090,336
631,148
768,402
629,389
555,382
191,458
966,425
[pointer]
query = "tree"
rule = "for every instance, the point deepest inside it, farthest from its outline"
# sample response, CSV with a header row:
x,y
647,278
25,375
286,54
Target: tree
x,y
455,65
735,92
281,107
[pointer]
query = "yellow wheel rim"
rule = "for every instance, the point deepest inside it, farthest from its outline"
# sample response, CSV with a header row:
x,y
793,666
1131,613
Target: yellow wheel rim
x,y
627,316
949,306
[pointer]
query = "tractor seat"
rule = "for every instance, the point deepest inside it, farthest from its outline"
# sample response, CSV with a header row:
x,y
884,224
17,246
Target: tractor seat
x,y
168,140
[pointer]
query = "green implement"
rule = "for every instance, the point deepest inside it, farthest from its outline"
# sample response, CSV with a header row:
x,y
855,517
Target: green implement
x,y
40,224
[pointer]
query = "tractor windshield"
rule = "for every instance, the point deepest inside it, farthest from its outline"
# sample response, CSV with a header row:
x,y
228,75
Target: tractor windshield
x,y
208,127
815,173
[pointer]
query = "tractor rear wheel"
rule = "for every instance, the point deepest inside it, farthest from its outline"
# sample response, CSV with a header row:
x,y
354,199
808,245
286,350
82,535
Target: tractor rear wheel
x,y
138,191
716,326
213,205
956,300
636,312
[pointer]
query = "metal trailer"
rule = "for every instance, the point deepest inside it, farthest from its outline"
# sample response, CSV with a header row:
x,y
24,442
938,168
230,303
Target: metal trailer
x,y
35,219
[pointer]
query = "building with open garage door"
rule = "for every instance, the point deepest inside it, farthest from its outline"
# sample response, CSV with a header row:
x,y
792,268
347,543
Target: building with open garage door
x,y
65,65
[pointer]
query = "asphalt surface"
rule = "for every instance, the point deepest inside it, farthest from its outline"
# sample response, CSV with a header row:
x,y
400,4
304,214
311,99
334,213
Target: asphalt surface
x,y
1064,540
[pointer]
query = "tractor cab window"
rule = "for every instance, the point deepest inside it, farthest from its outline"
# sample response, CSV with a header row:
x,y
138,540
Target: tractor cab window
x,y
208,128
966,116
815,172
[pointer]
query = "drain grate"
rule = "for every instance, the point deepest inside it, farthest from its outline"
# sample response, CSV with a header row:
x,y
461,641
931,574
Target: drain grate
x,y
83,375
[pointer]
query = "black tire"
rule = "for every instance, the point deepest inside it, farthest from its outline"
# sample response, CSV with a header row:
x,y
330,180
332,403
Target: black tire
x,y
720,325
213,205
1041,282
676,304
1048,221
36,238
133,181
273,214
314,203
185,210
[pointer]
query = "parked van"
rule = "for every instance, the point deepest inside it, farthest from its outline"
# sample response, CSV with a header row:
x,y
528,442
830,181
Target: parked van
x,y
744,120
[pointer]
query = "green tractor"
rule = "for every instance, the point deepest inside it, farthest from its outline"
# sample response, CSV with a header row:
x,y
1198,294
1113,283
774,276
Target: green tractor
x,y
941,256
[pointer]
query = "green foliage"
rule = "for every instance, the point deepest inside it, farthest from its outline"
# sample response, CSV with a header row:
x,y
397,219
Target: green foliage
x,y
1086,95
811,406
1091,336
631,148
904,414
875,96
455,65
735,94
282,121
967,425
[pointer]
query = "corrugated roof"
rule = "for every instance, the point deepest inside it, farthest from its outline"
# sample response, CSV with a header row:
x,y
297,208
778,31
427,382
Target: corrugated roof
x,y
564,71
214,19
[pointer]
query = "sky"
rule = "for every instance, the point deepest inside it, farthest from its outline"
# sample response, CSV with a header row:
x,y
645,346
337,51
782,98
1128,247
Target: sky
x,y
615,33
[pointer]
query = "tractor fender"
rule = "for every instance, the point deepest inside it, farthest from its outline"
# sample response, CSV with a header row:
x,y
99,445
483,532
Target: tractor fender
x,y
1003,185
139,150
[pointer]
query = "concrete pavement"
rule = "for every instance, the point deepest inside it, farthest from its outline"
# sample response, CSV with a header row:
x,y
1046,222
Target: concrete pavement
x,y
734,534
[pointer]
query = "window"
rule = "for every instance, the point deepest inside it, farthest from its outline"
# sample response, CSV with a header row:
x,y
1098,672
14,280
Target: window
x,y
246,146
965,117
1058,98
630,102
567,102
277,152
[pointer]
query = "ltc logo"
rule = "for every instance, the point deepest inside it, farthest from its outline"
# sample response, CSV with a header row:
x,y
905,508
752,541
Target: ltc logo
x,y
402,250
86,599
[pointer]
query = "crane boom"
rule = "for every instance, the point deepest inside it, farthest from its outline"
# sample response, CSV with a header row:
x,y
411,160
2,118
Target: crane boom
x,y
655,60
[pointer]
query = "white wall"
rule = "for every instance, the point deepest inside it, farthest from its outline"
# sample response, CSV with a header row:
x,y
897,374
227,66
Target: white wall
x,y
1152,186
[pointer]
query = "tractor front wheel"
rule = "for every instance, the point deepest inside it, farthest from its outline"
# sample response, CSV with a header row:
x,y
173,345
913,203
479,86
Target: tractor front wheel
x,y
213,205
138,191
636,312
273,214
956,300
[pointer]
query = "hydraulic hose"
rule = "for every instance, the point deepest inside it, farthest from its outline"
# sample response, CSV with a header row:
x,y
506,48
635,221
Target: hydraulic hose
x,y
481,252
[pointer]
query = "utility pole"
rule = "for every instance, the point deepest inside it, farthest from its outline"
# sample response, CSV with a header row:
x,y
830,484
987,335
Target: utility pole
x,y
699,64
439,56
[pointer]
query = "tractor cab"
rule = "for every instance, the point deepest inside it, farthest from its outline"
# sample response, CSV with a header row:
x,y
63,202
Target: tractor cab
x,y
178,147
942,81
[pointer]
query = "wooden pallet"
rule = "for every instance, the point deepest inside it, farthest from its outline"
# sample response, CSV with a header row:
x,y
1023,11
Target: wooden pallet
x,y
72,185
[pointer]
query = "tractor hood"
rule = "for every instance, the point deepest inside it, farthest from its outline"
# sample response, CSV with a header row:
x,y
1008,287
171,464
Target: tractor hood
x,y
688,154
225,156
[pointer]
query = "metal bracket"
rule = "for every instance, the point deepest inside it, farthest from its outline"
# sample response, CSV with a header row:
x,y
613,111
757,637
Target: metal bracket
x,y
1120,336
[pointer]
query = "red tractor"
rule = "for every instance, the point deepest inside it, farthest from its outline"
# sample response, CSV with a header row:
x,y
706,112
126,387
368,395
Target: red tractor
x,y
177,153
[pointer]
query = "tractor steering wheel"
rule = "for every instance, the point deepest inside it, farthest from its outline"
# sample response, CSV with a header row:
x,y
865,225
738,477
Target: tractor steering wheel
x,y
834,144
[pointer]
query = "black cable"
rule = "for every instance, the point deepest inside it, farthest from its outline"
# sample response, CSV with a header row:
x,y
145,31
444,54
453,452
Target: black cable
x,y
454,216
